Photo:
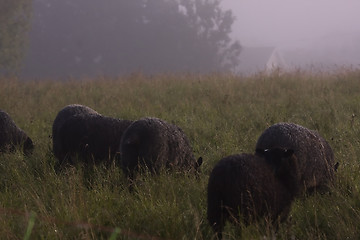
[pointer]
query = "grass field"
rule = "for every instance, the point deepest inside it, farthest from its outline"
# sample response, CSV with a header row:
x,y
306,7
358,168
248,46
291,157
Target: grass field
x,y
221,115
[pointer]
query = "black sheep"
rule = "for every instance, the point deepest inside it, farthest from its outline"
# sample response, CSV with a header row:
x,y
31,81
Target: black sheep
x,y
245,186
92,138
12,137
64,114
315,157
154,144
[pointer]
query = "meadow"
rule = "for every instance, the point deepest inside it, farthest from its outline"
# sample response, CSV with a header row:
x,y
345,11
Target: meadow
x,y
221,115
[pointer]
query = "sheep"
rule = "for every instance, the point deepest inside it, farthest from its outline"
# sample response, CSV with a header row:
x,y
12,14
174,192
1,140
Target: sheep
x,y
244,186
12,137
65,113
315,156
91,138
154,144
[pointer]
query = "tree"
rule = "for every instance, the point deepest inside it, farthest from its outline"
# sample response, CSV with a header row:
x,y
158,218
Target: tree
x,y
14,24
190,35
212,26
114,37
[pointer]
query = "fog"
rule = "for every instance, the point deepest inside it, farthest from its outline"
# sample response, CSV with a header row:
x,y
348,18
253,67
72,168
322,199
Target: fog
x,y
80,38
287,22
67,39
320,33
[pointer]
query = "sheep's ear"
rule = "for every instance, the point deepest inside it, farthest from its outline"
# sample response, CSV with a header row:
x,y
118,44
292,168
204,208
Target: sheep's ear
x,y
199,162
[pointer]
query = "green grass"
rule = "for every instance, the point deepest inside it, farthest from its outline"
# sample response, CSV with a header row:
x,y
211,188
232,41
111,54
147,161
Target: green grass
x,y
221,114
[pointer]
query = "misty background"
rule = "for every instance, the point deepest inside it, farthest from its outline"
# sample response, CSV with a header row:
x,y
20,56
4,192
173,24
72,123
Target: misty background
x,y
312,35
85,38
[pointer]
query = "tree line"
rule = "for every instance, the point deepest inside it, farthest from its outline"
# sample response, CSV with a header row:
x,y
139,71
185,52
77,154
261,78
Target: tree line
x,y
116,37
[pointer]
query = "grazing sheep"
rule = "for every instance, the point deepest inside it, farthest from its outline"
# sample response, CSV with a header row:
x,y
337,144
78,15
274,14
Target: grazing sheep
x,y
61,117
93,138
155,144
315,156
245,186
12,137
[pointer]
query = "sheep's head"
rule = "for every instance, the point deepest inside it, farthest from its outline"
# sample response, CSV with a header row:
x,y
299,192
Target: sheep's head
x,y
277,157
284,164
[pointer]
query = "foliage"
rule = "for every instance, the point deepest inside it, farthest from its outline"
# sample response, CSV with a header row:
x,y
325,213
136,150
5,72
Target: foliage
x,y
14,25
213,27
221,114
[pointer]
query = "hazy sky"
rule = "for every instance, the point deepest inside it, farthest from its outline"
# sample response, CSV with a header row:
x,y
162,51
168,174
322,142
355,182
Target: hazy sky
x,y
284,22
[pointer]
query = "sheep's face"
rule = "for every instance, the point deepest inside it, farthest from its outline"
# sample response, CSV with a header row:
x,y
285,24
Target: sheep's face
x,y
284,164
281,160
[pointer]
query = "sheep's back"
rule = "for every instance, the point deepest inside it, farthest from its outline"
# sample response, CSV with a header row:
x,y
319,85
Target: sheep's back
x,y
156,144
246,182
142,144
63,115
315,156
92,136
67,112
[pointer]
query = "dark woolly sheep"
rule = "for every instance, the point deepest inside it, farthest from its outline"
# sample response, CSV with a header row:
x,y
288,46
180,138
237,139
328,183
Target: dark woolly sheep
x,y
64,114
155,144
12,137
245,187
315,156
92,138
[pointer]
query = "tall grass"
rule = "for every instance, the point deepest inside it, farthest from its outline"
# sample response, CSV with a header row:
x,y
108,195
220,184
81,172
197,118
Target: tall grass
x,y
221,114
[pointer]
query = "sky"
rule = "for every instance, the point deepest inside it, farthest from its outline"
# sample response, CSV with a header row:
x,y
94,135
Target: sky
x,y
291,22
